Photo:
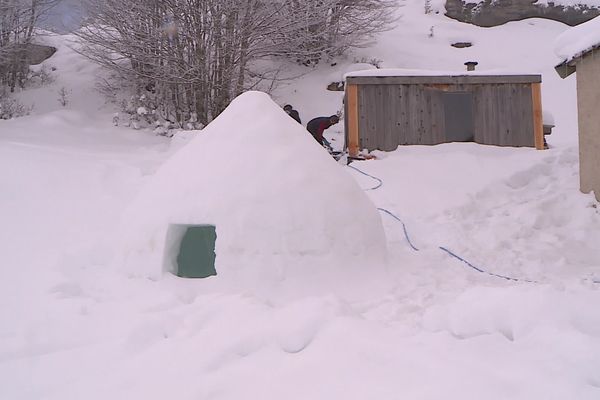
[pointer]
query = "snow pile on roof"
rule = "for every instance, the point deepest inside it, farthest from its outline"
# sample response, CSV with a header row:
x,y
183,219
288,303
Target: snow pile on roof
x,y
578,40
426,72
277,199
564,3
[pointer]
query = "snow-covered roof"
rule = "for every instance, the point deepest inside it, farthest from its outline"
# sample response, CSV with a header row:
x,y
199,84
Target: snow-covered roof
x,y
577,41
426,72
273,193
564,3
411,76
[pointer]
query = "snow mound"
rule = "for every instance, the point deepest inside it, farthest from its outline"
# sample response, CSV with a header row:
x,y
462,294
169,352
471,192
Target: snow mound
x,y
576,41
281,205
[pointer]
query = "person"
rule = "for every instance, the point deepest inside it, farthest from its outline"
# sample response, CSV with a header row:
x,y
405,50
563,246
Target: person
x,y
292,113
317,126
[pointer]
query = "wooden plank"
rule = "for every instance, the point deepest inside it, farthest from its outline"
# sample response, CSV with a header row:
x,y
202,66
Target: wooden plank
x,y
424,134
395,116
513,115
438,123
352,115
491,120
372,96
504,118
524,116
381,110
413,119
442,79
538,124
404,131
390,111
478,114
426,116
369,95
526,101
362,113
364,93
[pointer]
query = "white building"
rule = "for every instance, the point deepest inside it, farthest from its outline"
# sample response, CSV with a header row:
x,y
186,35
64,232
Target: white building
x,y
579,47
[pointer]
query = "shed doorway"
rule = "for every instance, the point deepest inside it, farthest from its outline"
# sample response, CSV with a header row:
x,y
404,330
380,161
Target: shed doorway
x,y
458,117
196,251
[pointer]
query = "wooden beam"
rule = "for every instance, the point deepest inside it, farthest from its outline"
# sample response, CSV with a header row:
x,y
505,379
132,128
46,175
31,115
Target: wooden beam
x,y
444,87
353,134
538,122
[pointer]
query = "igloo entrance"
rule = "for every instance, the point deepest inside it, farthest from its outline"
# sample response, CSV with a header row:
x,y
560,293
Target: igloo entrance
x,y
192,250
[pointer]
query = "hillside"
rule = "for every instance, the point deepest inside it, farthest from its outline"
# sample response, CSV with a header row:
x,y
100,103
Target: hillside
x,y
75,323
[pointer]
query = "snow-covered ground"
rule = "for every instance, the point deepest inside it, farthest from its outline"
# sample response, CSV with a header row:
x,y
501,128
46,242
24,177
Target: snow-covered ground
x,y
75,325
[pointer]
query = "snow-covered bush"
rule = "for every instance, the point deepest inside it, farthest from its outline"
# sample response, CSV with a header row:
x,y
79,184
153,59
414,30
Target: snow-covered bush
x,y
374,61
40,76
143,111
11,108
18,20
63,96
195,57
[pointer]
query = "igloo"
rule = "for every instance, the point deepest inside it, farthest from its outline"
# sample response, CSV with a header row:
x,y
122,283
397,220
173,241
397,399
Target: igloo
x,y
278,203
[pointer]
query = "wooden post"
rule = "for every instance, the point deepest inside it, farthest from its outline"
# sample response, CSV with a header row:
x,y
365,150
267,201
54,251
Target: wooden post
x,y
353,135
538,122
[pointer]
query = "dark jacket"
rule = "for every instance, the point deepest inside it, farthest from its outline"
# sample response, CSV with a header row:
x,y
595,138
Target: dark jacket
x,y
317,126
294,114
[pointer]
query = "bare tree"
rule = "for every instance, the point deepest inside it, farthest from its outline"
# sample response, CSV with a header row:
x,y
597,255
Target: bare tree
x,y
328,28
194,56
18,19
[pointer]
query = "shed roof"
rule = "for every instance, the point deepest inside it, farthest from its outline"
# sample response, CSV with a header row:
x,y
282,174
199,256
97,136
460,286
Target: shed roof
x,y
575,43
403,77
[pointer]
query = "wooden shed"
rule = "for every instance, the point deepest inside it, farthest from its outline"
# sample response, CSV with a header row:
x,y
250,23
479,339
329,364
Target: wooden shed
x,y
390,109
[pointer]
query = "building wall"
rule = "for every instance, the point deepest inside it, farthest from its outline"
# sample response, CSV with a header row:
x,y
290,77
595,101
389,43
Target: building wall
x,y
390,115
588,103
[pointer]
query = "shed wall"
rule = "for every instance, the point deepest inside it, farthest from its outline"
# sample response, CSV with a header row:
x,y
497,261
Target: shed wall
x,y
397,114
588,98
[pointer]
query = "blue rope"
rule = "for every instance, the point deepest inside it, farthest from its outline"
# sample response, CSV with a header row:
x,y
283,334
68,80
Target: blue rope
x,y
440,247
483,271
379,184
403,226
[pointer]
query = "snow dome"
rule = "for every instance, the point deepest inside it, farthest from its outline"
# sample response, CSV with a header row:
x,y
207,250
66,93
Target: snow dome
x,y
278,202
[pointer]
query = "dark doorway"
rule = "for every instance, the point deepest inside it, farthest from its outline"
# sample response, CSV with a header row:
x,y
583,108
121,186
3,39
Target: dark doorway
x,y
196,256
458,111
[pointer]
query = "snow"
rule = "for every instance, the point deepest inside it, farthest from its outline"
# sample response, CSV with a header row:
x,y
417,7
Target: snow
x,y
424,72
283,211
564,3
76,322
578,40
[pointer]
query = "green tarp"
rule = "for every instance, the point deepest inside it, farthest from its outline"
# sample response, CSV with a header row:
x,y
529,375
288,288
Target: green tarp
x,y
196,257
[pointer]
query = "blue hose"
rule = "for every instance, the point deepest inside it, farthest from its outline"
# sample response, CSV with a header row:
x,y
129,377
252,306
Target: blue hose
x,y
444,249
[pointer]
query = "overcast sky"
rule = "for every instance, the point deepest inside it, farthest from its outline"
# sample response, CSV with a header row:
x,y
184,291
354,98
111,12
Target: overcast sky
x,y
66,16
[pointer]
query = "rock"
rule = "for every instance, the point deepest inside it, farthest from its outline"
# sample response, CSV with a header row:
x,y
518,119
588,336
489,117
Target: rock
x,y
37,53
497,12
28,54
336,86
461,45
